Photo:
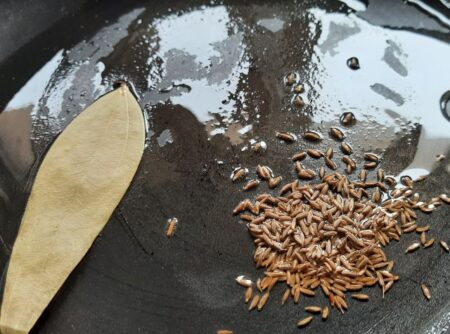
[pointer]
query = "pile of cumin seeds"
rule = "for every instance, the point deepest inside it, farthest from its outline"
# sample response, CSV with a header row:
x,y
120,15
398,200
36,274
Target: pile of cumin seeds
x,y
329,235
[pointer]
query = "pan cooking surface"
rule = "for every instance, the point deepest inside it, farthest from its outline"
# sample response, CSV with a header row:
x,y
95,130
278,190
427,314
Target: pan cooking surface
x,y
210,80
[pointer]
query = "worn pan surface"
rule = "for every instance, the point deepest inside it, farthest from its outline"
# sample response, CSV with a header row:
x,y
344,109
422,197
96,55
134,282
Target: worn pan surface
x,y
210,78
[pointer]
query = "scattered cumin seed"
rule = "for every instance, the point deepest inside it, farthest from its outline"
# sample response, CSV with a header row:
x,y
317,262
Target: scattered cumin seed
x,y
380,174
312,136
286,137
330,163
429,243
274,182
390,181
347,118
243,281
316,154
346,148
252,184
248,294
290,79
337,133
444,246
260,147
370,165
325,313
238,174
360,296
426,291
313,309
371,157
421,229
423,238
329,153
305,321
171,227
444,198
299,156
224,331
264,172
406,181
298,101
413,247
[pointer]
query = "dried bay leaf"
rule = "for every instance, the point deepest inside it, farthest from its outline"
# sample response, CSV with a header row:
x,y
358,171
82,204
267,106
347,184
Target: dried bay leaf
x,y
79,184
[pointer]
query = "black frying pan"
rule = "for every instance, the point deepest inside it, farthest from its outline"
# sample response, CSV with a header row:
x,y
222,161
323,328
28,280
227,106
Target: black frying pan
x,y
134,279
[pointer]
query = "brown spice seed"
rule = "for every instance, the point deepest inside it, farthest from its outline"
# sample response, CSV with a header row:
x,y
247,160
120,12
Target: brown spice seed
x,y
390,181
371,157
246,217
290,79
346,148
304,322
171,227
299,156
264,172
380,174
426,291
224,331
429,243
370,165
242,206
363,175
298,101
286,137
360,296
306,174
238,174
313,309
325,313
413,247
444,198
349,161
407,181
337,133
312,136
243,281
329,153
321,172
252,184
421,229
274,182
260,147
423,238
444,246
316,154
248,294
347,118
307,292
330,163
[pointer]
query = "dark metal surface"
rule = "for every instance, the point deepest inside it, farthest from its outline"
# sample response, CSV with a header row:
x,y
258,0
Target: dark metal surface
x,y
203,73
